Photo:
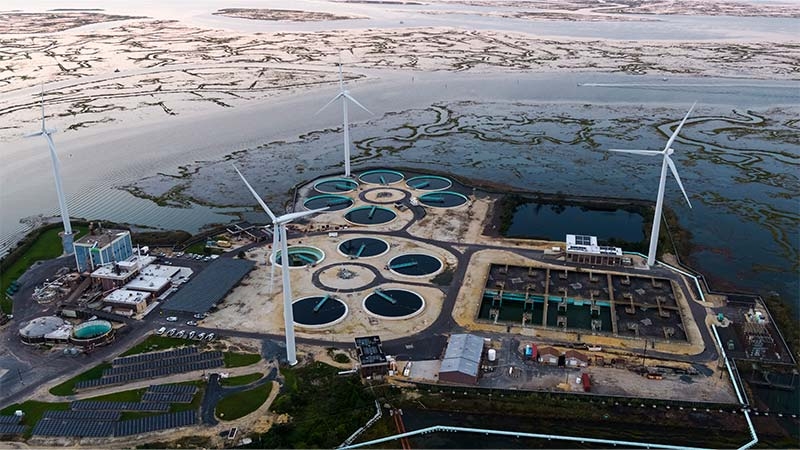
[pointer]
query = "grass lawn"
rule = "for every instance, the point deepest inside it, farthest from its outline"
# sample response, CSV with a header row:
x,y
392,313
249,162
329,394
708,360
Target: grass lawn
x,y
241,380
242,403
197,248
46,246
240,359
158,343
68,387
33,411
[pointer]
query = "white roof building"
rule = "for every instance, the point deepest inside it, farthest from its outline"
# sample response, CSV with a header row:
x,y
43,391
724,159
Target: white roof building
x,y
126,297
584,249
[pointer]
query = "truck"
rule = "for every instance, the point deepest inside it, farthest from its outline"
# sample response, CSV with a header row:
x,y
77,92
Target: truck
x,y
587,382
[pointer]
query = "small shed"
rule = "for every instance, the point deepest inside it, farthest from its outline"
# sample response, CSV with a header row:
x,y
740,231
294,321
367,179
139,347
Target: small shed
x,y
549,355
575,359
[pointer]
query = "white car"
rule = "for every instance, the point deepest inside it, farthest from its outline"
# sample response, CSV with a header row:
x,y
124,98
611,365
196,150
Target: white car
x,y
172,319
161,330
210,337
191,323
171,332
180,334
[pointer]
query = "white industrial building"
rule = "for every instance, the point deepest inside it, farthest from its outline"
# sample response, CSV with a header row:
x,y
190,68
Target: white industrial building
x,y
584,249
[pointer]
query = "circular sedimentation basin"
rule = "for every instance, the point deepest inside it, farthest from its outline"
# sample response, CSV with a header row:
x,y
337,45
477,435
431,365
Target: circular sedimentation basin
x,y
335,186
370,215
381,177
415,265
393,304
301,255
443,199
363,247
318,311
332,201
91,329
429,183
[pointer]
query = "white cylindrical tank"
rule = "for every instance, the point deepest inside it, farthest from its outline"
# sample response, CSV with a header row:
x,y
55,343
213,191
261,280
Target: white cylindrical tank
x,y
492,355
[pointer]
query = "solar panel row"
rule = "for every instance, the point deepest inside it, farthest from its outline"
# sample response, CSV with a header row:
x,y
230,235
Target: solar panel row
x,y
154,356
118,406
173,388
155,423
83,428
10,428
147,365
98,416
13,420
153,373
162,397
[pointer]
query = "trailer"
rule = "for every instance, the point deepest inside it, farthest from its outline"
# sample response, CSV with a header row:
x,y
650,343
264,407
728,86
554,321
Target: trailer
x,y
587,382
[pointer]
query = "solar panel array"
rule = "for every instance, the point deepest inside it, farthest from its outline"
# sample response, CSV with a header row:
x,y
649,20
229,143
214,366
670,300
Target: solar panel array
x,y
83,428
156,368
156,423
13,420
10,428
97,416
149,365
162,397
583,240
210,285
173,388
144,357
118,406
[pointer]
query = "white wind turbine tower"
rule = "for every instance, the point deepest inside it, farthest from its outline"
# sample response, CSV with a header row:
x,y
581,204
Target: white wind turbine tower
x,y
67,237
666,161
344,95
279,236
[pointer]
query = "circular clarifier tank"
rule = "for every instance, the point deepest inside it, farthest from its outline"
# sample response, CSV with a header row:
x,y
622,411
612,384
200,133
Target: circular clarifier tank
x,y
429,183
319,311
300,255
91,329
443,199
381,176
331,201
365,247
394,304
335,186
370,215
415,265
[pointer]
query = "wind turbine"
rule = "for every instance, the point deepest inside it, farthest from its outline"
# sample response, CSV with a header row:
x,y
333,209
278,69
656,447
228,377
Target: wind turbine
x,y
67,237
344,95
666,161
279,236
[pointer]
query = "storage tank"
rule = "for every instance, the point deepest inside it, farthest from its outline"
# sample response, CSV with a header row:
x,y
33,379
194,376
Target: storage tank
x,y
492,355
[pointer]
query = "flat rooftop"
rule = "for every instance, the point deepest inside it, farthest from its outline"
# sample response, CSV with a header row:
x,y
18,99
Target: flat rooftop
x,y
126,296
147,283
210,286
102,238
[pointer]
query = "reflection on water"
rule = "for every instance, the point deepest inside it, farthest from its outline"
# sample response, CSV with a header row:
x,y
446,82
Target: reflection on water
x,y
553,222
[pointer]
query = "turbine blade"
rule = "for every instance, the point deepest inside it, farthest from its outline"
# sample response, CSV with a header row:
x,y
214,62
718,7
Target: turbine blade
x,y
350,97
635,152
286,218
255,194
678,179
339,95
678,130
34,134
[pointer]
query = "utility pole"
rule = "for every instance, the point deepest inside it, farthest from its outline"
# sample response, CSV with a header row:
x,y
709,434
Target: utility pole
x,y
644,353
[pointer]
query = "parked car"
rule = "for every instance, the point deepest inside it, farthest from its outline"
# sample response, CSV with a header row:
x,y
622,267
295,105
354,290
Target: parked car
x,y
191,323
210,337
172,319
171,332
161,330
180,334
201,336
191,334
199,316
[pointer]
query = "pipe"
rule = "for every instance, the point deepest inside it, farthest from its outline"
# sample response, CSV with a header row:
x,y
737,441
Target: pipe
x,y
385,297
321,302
